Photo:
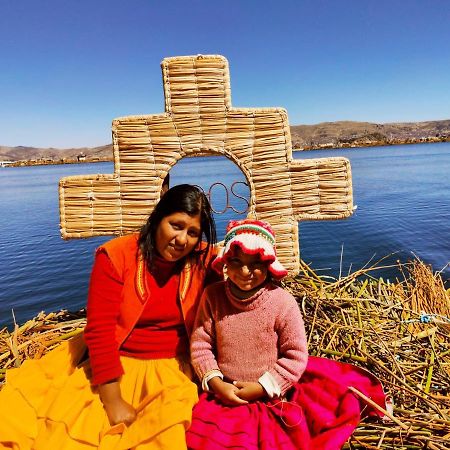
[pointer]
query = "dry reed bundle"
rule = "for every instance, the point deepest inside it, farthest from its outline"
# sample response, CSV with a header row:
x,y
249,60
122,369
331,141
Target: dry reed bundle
x,y
399,331
37,336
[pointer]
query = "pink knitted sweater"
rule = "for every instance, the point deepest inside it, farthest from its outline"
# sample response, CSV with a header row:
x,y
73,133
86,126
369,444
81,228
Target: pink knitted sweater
x,y
246,338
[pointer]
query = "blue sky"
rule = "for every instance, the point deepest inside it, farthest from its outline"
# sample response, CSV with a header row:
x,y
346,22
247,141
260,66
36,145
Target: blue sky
x,y
67,68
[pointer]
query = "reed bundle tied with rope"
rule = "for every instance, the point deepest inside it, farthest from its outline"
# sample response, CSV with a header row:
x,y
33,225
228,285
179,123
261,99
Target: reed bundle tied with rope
x,y
399,331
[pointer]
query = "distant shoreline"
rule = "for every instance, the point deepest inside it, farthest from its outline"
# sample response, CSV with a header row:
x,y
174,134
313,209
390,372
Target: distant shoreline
x,y
87,159
26,163
374,144
325,135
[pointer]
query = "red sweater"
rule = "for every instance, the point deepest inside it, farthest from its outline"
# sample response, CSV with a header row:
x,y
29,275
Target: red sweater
x,y
160,331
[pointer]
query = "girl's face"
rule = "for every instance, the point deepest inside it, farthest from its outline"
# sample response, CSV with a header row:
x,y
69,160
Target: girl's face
x,y
177,235
247,273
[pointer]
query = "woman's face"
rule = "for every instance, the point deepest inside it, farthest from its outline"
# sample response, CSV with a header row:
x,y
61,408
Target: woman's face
x,y
177,235
247,272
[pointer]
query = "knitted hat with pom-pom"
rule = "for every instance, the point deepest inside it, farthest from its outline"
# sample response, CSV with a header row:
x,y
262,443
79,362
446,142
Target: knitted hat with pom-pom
x,y
253,237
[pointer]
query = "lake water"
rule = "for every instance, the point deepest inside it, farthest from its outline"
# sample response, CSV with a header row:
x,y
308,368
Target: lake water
x,y
402,194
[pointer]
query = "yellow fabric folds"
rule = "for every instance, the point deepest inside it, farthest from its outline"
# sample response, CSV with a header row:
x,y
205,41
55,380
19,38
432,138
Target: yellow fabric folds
x,y
48,403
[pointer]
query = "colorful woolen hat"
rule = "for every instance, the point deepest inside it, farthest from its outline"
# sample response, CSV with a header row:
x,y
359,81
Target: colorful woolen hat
x,y
252,237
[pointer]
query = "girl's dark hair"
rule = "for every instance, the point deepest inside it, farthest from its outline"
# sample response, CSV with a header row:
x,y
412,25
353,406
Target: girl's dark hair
x,y
181,198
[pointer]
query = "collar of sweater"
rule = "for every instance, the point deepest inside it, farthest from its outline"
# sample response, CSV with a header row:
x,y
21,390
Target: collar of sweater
x,y
257,299
162,270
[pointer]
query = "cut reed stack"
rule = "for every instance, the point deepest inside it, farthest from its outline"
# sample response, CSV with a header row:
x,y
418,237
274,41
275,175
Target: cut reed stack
x,y
399,331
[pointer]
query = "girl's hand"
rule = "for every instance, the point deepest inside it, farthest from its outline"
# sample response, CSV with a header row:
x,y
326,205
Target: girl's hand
x,y
249,391
116,408
225,392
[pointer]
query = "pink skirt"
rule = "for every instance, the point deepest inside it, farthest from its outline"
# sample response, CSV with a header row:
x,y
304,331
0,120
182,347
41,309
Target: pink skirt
x,y
319,413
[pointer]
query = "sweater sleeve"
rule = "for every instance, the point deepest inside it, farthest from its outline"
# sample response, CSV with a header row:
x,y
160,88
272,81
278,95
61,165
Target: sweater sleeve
x,y
292,348
203,339
103,306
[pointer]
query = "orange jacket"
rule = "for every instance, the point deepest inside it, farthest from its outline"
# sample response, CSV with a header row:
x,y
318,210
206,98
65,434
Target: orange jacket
x,y
129,264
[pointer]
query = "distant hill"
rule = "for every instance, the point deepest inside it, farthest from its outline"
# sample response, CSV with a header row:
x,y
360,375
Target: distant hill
x,y
322,135
103,152
362,134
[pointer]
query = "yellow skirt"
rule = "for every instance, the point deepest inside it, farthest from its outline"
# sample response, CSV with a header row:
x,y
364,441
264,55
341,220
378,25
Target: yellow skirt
x,y
48,403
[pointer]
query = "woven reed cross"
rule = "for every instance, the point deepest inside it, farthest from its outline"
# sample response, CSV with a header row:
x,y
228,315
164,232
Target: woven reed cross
x,y
199,120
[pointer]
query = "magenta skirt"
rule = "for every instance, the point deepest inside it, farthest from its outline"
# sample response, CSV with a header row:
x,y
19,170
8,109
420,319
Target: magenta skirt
x,y
319,413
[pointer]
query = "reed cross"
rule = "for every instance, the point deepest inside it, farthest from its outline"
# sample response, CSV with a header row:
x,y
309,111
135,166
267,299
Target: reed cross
x,y
199,120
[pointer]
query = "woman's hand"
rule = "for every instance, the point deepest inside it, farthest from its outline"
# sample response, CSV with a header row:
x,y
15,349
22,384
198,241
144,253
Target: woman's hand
x,y
249,391
120,412
116,408
226,392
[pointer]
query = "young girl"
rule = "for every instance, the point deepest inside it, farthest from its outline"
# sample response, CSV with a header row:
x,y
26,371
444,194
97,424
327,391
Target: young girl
x,y
249,349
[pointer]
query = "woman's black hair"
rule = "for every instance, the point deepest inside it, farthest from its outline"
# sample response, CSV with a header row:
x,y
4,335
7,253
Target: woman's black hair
x,y
181,198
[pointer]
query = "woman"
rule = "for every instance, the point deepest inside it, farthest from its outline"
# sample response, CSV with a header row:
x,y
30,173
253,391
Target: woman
x,y
136,389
